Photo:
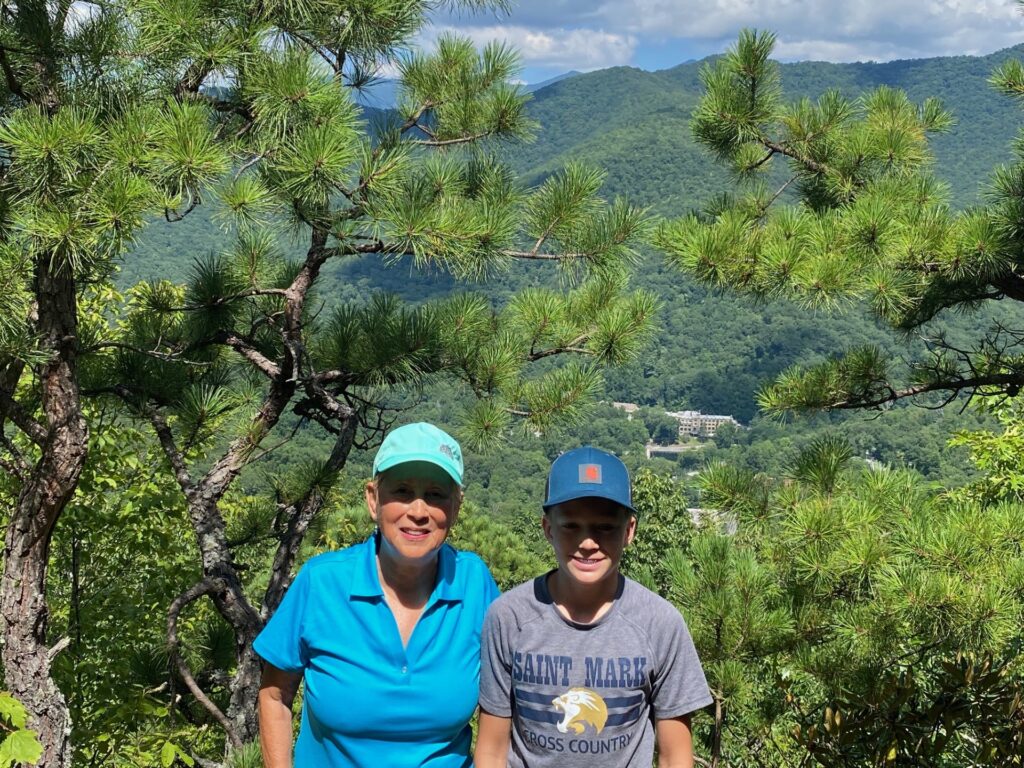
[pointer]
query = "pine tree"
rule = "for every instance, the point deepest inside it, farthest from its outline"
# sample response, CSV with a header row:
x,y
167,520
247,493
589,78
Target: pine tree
x,y
852,212
88,145
242,351
112,111
854,618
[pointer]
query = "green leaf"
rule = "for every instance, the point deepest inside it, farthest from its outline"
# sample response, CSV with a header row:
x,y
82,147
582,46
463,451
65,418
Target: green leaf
x,y
12,710
167,754
20,747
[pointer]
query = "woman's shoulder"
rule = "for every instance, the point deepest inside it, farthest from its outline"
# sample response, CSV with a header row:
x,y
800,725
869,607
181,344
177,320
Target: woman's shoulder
x,y
337,559
467,559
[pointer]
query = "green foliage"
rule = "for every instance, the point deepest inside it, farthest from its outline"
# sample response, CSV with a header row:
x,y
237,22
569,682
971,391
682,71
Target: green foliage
x,y
853,617
870,223
297,149
997,454
19,744
664,529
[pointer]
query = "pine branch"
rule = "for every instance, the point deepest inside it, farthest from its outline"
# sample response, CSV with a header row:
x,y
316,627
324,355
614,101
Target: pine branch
x,y
1010,284
531,255
220,301
207,586
414,119
762,161
12,409
174,456
451,142
571,347
192,79
302,514
250,163
1008,383
9,76
335,65
782,149
174,216
778,193
247,349
168,357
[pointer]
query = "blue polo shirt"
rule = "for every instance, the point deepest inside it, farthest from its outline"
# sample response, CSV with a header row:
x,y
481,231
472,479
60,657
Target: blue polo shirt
x,y
369,702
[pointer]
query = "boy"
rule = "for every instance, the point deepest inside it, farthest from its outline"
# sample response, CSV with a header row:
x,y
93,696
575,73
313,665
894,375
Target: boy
x,y
582,666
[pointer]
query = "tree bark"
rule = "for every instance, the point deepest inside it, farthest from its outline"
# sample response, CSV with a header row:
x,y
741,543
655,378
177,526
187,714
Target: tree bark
x,y
47,489
245,684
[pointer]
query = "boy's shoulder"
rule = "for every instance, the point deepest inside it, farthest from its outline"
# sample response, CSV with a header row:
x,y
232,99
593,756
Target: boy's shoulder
x,y
638,603
523,604
529,593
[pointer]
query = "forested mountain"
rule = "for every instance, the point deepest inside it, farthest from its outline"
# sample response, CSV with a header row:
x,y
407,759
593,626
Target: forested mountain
x,y
712,351
635,124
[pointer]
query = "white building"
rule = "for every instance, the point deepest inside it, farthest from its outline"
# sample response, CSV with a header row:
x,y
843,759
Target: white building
x,y
700,424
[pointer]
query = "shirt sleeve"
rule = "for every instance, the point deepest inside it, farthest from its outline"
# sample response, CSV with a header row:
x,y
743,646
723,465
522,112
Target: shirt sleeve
x,y
281,641
679,686
491,591
495,665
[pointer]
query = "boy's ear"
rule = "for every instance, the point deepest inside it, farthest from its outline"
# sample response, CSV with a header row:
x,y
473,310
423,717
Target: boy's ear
x,y
630,529
545,522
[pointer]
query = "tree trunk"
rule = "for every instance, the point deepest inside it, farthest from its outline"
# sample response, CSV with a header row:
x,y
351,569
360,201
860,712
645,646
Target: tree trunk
x,y
245,688
44,494
245,684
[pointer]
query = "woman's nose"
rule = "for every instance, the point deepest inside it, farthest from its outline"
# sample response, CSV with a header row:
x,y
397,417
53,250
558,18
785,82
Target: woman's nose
x,y
418,508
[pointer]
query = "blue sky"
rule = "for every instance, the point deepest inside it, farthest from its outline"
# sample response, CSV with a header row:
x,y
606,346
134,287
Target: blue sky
x,y
555,36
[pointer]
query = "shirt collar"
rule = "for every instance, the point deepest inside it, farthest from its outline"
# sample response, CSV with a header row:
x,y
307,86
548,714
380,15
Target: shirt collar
x,y
366,579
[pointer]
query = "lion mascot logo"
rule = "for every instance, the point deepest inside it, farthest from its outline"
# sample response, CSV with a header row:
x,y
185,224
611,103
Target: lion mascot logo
x,y
581,705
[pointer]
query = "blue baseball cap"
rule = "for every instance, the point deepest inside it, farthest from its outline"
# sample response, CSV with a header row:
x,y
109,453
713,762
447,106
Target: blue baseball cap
x,y
420,442
588,472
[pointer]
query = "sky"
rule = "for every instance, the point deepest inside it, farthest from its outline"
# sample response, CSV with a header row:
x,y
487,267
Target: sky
x,y
556,36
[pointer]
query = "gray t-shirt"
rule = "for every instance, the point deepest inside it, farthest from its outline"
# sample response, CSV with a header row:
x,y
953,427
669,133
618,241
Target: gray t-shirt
x,y
587,694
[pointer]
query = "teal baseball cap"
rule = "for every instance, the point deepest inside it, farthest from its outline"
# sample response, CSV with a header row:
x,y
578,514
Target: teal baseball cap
x,y
420,442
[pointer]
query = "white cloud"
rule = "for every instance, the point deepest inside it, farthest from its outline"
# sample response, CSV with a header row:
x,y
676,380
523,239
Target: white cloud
x,y
558,35
609,32
581,48
900,22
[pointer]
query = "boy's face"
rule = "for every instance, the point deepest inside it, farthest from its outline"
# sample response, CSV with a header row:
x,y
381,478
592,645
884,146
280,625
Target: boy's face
x,y
589,536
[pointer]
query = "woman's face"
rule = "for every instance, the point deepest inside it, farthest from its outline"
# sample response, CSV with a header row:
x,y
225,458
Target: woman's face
x,y
414,505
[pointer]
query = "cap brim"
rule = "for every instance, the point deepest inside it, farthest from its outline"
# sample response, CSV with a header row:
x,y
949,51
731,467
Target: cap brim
x,y
426,458
585,494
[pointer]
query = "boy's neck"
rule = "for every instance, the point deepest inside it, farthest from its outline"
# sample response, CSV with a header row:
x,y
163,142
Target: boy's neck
x,y
582,603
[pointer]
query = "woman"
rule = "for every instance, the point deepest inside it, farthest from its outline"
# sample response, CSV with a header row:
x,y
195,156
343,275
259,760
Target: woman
x,y
385,634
